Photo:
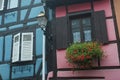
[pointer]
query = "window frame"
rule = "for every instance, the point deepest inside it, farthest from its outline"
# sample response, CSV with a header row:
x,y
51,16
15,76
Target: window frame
x,y
63,34
77,15
20,45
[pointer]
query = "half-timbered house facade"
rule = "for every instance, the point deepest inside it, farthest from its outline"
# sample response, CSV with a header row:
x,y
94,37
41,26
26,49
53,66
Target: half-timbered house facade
x,y
80,21
20,40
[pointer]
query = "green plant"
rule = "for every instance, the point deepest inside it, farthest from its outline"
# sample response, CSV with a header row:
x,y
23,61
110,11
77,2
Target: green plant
x,y
82,55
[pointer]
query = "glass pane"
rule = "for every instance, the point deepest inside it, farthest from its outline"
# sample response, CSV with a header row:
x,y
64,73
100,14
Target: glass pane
x,y
76,23
87,34
12,4
86,21
76,30
1,4
76,37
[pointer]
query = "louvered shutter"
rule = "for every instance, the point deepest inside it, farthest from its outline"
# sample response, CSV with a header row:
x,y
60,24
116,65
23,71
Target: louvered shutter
x,y
60,27
27,46
16,47
100,29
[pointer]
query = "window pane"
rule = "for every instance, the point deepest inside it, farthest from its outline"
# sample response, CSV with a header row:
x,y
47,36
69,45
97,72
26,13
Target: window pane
x,y
87,34
76,30
12,4
76,37
1,4
86,22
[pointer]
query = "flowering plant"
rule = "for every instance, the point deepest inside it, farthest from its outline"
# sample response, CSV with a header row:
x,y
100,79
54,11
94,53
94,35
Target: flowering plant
x,y
82,55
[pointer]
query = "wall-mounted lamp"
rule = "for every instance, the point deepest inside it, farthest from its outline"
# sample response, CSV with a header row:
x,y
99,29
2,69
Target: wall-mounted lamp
x,y
42,22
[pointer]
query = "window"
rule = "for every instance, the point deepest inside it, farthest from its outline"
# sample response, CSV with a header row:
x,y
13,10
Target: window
x,y
1,4
12,4
81,28
26,52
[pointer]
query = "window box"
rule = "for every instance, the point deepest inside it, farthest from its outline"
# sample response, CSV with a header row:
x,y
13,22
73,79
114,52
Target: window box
x,y
82,55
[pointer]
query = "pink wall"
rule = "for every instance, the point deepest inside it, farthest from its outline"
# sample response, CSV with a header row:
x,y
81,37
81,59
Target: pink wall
x,y
60,11
103,5
111,55
110,50
79,7
110,29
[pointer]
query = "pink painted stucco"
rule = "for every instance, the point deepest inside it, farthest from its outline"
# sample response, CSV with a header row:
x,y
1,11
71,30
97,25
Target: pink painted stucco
x,y
103,5
61,60
111,29
79,7
60,11
110,55
108,74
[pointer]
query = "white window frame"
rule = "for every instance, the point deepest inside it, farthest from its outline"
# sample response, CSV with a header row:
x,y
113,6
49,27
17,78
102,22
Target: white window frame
x,y
26,52
12,4
2,5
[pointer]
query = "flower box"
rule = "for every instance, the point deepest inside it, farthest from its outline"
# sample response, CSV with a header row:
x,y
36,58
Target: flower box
x,y
82,55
